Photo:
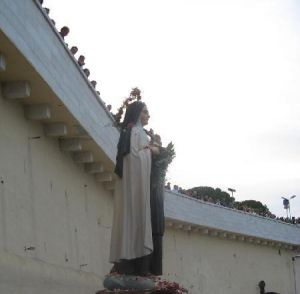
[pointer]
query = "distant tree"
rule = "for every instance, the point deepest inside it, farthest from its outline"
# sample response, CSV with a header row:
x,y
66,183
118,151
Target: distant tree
x,y
256,206
238,205
218,196
213,195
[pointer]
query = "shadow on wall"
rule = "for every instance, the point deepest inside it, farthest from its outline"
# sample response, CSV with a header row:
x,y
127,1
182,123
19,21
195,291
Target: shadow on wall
x,y
262,286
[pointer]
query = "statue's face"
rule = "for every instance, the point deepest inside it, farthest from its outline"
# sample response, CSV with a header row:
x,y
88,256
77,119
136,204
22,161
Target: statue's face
x,y
145,116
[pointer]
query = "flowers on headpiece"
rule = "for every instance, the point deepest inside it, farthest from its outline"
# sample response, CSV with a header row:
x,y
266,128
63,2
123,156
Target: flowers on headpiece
x,y
135,95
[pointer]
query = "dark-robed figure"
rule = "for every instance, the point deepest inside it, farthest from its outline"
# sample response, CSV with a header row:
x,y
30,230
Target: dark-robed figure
x,y
138,224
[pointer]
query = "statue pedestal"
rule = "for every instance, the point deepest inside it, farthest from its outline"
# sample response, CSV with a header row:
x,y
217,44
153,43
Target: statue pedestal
x,y
122,284
127,284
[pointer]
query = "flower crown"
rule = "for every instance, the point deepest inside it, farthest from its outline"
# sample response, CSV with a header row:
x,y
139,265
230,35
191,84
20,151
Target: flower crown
x,y
135,95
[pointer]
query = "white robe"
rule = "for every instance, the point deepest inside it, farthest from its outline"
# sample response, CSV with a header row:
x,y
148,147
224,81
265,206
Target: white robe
x,y
131,232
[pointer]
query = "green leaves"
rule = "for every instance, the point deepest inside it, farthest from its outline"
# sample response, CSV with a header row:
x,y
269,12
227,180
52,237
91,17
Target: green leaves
x,y
160,163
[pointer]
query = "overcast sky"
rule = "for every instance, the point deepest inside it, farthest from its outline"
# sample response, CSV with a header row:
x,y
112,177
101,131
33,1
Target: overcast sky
x,y
221,79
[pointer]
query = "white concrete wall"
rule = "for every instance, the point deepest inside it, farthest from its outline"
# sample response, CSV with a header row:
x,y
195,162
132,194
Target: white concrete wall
x,y
196,212
208,265
296,270
28,29
50,203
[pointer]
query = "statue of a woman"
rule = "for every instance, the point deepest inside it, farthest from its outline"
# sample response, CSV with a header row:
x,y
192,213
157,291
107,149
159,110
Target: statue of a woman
x,y
131,240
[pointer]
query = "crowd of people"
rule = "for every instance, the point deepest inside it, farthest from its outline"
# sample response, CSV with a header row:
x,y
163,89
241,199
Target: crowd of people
x,y
190,193
64,31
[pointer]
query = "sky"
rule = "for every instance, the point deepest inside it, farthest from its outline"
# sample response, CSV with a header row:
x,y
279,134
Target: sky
x,y
221,79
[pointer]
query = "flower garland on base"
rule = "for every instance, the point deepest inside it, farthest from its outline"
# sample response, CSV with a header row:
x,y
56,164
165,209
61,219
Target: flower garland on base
x,y
125,292
161,287
168,287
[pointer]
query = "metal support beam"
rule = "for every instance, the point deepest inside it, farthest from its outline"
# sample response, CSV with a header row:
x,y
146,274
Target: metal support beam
x,y
16,90
94,167
56,130
73,144
104,177
37,111
2,63
83,157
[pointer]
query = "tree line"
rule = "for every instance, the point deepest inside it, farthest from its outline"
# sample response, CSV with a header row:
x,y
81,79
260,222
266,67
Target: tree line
x,y
216,195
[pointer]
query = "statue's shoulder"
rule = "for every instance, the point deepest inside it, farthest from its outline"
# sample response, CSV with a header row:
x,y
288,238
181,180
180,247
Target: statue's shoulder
x,y
140,135
137,130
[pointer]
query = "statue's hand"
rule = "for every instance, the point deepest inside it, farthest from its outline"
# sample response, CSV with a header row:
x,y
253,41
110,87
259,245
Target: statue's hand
x,y
157,140
154,149
151,133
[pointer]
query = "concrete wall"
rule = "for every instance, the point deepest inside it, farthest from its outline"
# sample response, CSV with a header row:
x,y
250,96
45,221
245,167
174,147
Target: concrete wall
x,y
213,265
23,22
296,270
49,203
196,212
